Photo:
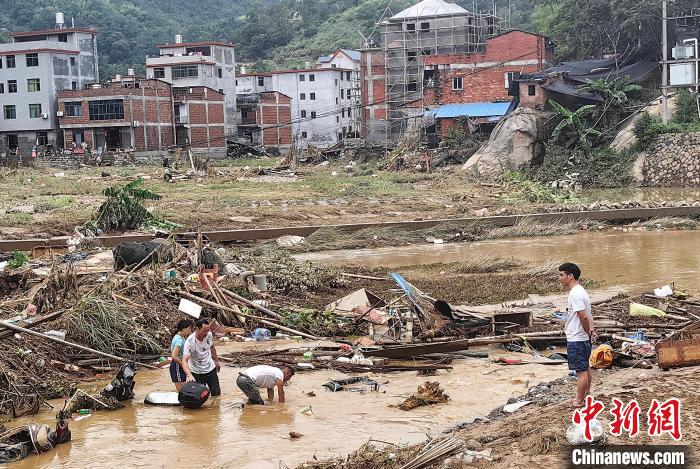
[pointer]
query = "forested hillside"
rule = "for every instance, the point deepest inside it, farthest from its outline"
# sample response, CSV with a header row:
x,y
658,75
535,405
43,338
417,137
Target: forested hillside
x,y
289,32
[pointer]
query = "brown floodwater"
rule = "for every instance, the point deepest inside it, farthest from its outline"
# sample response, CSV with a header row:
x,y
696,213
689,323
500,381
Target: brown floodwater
x,y
224,435
633,259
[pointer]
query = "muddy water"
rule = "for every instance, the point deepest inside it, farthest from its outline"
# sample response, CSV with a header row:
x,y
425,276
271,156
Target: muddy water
x,y
223,435
636,259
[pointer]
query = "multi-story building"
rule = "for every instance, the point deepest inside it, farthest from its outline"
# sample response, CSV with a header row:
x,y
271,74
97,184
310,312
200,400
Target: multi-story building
x,y
350,60
124,113
264,115
199,64
322,111
34,67
200,119
431,27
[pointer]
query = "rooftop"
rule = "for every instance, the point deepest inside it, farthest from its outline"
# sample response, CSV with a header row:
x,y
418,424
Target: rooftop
x,y
194,44
472,110
428,8
53,31
307,70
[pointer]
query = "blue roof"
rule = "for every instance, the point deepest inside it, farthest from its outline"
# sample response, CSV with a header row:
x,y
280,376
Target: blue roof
x,y
353,54
324,59
472,110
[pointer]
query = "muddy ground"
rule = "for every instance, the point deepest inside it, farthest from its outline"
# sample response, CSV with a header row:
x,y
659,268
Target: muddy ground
x,y
45,202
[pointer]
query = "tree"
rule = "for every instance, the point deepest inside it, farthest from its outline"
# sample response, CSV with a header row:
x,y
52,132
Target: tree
x,y
574,122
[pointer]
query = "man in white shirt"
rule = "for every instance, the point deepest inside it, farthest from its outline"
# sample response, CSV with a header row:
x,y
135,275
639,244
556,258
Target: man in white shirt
x,y
263,376
579,330
200,362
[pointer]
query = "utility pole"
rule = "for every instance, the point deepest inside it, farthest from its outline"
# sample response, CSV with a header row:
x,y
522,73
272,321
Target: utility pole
x,y
664,64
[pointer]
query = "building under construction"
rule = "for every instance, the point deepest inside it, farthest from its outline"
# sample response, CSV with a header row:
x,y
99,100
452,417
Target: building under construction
x,y
394,74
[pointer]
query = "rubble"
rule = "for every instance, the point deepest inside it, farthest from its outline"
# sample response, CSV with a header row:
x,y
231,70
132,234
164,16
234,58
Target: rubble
x,y
429,393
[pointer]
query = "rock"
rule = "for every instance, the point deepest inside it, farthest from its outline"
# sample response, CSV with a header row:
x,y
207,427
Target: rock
x,y
484,212
625,138
289,241
516,141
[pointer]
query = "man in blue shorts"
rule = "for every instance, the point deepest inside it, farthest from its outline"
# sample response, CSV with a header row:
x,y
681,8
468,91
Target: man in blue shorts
x,y
579,330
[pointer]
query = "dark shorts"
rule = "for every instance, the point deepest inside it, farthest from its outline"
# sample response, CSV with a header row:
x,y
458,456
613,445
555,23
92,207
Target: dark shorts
x,y
578,354
177,374
247,385
211,379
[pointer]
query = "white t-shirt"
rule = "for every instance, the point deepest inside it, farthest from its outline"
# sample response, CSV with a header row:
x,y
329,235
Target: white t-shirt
x,y
578,301
264,376
200,361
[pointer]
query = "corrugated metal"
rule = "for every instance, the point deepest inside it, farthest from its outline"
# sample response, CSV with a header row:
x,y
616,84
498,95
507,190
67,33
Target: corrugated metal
x,y
472,110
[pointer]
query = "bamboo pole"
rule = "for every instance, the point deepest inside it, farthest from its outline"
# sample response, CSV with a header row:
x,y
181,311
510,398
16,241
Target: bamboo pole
x,y
262,320
71,344
247,302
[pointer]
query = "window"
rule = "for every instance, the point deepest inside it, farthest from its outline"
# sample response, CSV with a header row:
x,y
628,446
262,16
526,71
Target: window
x,y
32,60
302,77
312,97
410,27
42,138
72,61
185,71
412,86
2,88
107,109
509,77
34,111
425,26
336,82
219,73
10,61
303,113
159,72
411,56
342,93
349,112
302,96
341,76
336,100
426,52
33,85
347,76
0,62
78,136
343,112
62,38
10,111
11,86
337,119
221,90
313,114
334,65
304,135
531,90
261,81
457,83
74,85
73,109
347,93
312,77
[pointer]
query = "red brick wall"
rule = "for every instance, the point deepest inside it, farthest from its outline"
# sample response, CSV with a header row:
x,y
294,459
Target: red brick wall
x,y
274,113
538,101
372,72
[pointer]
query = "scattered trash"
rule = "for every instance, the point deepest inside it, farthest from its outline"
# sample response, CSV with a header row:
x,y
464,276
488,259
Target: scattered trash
x,y
575,433
289,241
602,357
261,334
663,292
637,309
429,393
510,408
344,384
295,435
190,308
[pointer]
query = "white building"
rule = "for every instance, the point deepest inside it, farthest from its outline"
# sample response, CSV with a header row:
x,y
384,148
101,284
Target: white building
x,y
347,59
322,111
190,64
33,68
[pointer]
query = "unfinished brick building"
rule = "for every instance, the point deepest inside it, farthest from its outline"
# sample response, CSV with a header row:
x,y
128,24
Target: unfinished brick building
x,y
265,118
127,112
200,119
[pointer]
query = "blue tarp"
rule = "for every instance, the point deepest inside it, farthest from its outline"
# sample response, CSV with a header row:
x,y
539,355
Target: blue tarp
x,y
472,110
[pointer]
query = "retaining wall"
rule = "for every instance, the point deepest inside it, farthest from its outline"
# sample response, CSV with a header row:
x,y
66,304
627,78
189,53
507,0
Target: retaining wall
x,y
672,161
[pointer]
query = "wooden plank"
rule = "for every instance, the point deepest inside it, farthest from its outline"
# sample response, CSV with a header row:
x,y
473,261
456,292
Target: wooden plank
x,y
48,317
672,354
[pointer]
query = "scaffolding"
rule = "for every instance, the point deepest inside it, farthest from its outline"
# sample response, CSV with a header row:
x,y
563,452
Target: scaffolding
x,y
406,39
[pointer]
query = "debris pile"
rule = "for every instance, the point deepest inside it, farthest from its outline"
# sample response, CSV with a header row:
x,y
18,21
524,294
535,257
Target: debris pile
x,y
429,393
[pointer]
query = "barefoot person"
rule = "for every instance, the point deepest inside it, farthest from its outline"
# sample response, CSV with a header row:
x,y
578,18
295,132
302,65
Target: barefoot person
x,y
200,361
264,376
177,350
579,330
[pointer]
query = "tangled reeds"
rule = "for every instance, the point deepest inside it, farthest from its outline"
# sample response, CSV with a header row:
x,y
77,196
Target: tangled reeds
x,y
104,325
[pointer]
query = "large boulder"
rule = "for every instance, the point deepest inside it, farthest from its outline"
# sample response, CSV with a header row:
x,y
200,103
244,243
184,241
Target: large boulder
x,y
516,141
625,138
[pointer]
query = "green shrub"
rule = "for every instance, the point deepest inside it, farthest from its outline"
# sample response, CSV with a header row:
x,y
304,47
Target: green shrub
x,y
686,111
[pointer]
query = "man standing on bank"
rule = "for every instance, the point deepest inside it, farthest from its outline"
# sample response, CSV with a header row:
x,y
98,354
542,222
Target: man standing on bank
x,y
200,362
579,330
263,376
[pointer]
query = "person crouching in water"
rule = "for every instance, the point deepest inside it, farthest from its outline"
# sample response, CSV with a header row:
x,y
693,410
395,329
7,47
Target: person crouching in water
x,y
177,350
263,376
